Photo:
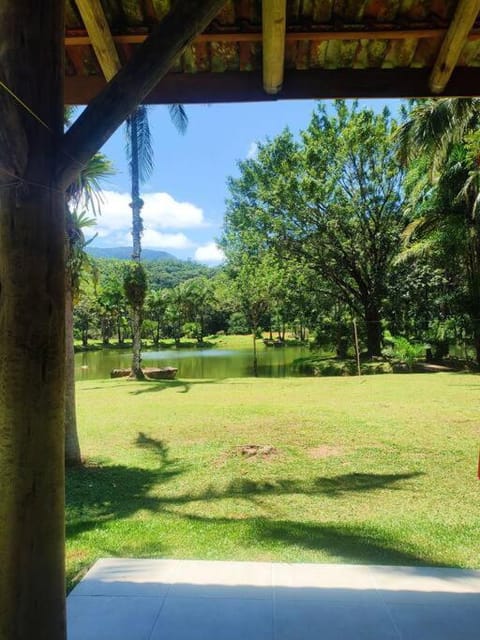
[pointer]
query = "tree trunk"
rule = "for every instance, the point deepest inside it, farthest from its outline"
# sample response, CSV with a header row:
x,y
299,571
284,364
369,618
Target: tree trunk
x,y
477,348
137,202
137,372
137,229
32,324
255,362
72,446
374,330
476,339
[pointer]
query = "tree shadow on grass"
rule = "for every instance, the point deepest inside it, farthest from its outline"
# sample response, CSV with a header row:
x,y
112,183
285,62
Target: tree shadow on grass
x,y
356,543
97,495
330,487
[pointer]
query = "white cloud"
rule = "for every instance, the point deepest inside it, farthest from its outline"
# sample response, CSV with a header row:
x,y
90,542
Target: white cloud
x,y
252,151
156,240
160,212
210,253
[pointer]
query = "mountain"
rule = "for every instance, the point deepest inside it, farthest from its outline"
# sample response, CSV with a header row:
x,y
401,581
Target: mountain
x,y
125,253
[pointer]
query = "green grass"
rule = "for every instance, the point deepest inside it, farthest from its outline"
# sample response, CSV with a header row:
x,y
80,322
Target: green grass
x,y
380,469
236,341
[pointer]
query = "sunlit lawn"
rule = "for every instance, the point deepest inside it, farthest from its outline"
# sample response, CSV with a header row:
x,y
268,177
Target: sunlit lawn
x,y
380,469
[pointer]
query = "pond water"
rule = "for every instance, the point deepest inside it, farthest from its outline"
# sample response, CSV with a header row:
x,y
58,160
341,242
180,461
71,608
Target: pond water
x,y
194,363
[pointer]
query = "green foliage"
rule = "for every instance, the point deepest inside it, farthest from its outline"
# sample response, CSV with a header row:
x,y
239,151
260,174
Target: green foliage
x,y
317,366
135,283
237,323
444,203
332,201
404,351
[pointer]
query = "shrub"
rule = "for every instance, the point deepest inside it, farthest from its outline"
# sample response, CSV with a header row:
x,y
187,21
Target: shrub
x,y
402,350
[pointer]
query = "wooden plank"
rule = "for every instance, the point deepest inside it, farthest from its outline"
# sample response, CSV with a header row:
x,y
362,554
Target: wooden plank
x,y
241,86
132,84
455,39
98,30
274,23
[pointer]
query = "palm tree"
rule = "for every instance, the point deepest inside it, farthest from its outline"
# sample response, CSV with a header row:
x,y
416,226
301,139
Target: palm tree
x,y
441,139
141,162
85,192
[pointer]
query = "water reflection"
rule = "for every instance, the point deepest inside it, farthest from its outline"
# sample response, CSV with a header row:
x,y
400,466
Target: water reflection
x,y
193,363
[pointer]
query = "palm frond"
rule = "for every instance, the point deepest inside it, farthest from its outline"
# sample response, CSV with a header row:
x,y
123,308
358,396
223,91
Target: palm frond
x,y
434,125
86,189
417,250
139,144
179,117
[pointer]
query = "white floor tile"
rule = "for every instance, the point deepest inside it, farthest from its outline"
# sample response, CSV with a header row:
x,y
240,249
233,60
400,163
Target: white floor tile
x,y
214,619
311,620
455,621
121,599
111,618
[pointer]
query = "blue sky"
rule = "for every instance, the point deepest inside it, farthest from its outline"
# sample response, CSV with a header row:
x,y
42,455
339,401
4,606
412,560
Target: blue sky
x,y
184,198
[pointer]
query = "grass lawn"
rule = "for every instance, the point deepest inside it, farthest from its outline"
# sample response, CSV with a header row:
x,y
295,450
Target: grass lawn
x,y
380,469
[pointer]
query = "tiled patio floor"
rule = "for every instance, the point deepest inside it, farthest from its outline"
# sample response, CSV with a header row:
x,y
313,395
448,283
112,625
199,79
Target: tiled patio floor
x,y
200,600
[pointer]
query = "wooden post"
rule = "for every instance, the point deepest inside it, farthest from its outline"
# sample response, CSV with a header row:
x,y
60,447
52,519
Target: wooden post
x,y
465,15
357,348
274,19
32,304
100,36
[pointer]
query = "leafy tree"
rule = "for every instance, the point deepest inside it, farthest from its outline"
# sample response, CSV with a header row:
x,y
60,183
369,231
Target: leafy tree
x,y
84,192
175,314
252,291
441,140
84,316
332,200
198,302
156,303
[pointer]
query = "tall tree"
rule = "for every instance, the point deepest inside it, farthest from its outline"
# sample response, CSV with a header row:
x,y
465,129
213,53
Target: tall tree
x,y
253,282
84,192
141,162
333,200
442,137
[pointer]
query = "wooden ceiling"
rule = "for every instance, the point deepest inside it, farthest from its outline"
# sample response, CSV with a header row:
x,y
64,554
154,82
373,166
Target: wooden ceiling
x,y
281,49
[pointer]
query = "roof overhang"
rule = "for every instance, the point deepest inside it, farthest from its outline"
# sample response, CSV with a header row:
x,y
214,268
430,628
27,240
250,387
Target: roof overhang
x,y
282,49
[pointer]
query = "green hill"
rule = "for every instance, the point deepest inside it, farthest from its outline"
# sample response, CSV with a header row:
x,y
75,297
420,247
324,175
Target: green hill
x,y
125,253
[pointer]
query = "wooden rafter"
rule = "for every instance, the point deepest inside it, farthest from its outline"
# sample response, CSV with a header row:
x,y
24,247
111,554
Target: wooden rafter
x,y
128,88
100,36
78,39
455,39
274,23
241,86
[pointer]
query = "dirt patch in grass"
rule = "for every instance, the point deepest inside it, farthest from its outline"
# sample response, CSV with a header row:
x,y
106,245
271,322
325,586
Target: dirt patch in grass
x,y
324,451
259,451
252,452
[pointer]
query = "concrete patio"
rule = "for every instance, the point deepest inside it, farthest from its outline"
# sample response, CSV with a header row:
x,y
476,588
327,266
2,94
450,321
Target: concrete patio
x,y
200,600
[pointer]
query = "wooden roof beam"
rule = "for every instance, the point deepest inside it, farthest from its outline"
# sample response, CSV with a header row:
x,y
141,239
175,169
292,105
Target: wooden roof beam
x,y
274,24
130,86
455,39
100,35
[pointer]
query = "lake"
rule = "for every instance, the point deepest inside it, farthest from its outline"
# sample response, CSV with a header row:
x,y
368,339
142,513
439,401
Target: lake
x,y
273,362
